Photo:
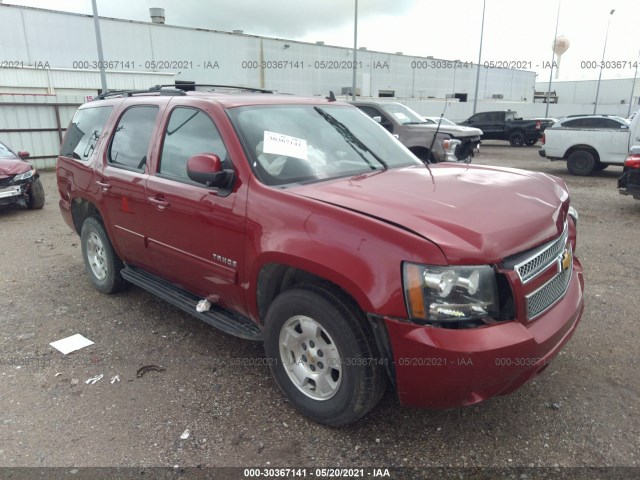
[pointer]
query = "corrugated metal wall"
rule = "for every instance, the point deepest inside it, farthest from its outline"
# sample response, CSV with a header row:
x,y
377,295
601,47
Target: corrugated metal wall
x,y
35,118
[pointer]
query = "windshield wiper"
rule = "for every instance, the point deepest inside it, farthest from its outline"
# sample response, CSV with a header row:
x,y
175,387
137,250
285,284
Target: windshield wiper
x,y
414,123
350,137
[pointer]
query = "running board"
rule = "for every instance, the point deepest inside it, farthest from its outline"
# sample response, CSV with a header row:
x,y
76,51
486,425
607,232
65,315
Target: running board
x,y
217,317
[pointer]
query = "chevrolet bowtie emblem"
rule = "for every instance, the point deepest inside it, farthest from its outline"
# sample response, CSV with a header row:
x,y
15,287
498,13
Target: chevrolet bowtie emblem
x,y
566,259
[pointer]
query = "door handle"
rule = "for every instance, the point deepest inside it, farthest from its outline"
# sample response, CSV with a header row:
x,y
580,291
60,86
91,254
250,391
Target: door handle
x,y
103,185
159,202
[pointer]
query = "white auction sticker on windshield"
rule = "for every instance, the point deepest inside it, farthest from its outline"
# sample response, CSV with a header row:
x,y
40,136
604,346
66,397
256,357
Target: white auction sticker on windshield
x,y
279,144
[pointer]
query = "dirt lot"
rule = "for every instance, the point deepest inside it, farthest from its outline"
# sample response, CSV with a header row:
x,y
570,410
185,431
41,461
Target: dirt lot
x,y
582,411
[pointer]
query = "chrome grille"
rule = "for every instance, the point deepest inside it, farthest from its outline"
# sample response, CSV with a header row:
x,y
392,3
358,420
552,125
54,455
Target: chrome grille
x,y
542,258
552,291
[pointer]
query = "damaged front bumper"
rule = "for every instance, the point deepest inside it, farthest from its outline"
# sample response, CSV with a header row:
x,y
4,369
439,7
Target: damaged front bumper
x,y
460,150
447,368
15,189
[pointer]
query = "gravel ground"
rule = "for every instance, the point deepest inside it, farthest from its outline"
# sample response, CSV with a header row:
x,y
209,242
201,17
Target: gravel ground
x,y
582,411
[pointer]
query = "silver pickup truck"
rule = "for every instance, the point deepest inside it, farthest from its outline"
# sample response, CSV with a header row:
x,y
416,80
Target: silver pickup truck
x,y
590,142
452,144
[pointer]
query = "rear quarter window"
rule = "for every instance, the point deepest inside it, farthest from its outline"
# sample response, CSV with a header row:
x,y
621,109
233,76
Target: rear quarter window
x,y
130,142
84,131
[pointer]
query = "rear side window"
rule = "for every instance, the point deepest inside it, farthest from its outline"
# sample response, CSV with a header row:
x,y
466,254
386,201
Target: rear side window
x,y
190,131
574,123
84,132
610,123
130,142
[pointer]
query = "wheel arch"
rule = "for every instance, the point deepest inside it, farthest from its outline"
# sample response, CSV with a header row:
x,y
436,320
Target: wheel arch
x,y
81,209
588,148
423,153
279,274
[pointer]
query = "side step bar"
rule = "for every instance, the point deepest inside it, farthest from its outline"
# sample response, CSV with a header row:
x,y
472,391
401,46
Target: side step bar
x,y
217,317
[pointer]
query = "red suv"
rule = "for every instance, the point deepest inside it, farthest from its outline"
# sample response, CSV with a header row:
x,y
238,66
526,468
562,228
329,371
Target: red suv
x,y
302,223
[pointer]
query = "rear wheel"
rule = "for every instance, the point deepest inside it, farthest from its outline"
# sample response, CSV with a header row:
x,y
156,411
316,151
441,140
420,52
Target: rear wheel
x,y
516,139
323,355
35,201
99,257
581,162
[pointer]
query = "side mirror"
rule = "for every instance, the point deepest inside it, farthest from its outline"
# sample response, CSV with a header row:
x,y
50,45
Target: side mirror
x,y
206,168
377,119
24,155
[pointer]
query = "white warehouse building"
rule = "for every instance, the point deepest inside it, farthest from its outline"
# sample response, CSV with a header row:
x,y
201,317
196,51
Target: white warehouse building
x,y
234,58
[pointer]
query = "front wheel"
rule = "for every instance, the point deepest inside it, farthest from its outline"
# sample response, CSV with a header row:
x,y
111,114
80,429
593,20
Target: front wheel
x,y
99,257
323,355
35,200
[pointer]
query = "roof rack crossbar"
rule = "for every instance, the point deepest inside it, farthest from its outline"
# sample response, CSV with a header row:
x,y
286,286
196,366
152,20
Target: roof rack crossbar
x,y
130,93
193,85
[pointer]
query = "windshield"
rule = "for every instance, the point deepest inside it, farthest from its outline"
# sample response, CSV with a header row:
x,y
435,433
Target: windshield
x,y
288,144
435,120
5,152
402,114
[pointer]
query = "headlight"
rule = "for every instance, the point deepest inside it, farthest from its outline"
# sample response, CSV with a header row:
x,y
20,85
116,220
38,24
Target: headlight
x,y
449,145
24,176
573,213
450,294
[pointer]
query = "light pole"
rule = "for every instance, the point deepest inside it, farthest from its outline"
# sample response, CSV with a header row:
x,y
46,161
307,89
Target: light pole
x,y
475,97
633,86
553,51
606,35
96,25
355,52
455,65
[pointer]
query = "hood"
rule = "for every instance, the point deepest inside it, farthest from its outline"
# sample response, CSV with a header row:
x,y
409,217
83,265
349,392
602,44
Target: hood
x,y
454,130
475,214
12,166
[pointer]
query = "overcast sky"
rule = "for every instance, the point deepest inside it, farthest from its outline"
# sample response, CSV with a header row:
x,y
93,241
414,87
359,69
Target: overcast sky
x,y
514,30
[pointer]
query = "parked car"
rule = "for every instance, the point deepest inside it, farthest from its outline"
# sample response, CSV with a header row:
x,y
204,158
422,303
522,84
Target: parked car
x,y
505,125
590,143
629,182
19,182
416,133
301,223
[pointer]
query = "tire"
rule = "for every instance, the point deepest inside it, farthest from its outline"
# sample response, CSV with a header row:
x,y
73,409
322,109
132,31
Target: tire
x,y
425,155
531,142
516,139
36,195
581,163
600,166
307,324
100,260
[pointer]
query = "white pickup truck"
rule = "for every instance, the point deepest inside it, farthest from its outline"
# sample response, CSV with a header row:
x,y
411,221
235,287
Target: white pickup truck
x,y
591,142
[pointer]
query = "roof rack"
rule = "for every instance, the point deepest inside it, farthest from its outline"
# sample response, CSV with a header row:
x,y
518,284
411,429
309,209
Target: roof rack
x,y
185,86
131,93
590,115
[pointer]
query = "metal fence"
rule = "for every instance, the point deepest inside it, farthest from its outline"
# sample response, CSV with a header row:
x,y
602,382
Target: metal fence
x,y
35,123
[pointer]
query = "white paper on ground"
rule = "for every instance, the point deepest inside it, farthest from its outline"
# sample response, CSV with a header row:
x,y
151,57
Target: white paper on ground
x,y
71,344
279,144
